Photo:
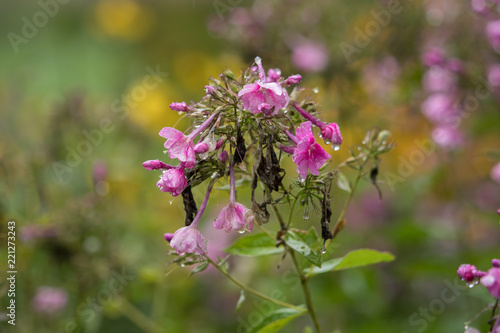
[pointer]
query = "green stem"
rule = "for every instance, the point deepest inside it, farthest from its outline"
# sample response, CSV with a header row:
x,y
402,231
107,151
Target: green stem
x,y
303,279
137,317
252,291
306,291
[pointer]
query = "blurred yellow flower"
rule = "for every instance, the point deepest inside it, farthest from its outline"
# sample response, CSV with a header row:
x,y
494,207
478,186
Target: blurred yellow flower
x,y
125,19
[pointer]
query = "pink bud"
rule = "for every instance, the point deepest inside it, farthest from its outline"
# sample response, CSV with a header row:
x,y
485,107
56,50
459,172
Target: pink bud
x,y
189,240
223,156
294,79
209,90
433,57
273,75
183,107
495,263
331,134
466,272
219,143
201,148
155,165
265,109
168,237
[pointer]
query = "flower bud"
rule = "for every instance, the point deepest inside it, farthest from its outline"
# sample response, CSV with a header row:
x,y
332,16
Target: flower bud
x,y
273,75
209,90
294,79
223,156
331,134
383,135
155,165
168,237
495,263
265,109
201,148
182,107
173,181
189,240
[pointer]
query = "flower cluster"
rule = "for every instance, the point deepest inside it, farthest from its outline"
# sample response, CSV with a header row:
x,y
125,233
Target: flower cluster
x,y
254,113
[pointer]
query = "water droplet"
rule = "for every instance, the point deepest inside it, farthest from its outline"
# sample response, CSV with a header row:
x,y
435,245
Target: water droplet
x,y
241,231
306,213
328,142
170,202
182,265
335,147
285,112
316,90
320,136
471,284
301,179
323,249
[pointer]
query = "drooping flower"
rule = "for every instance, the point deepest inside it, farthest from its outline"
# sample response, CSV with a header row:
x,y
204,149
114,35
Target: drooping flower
x,y
263,91
492,281
173,181
189,239
181,146
49,300
309,155
234,216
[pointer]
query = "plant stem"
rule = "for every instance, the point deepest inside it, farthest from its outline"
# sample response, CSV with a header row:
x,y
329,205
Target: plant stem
x,y
303,279
137,317
306,291
252,291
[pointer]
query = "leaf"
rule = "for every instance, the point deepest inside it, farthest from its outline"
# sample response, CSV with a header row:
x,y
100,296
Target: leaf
x,y
254,245
200,268
239,183
240,300
302,242
353,259
343,182
275,320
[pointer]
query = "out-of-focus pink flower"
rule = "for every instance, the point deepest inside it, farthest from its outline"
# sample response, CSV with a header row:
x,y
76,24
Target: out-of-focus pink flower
x,y
447,137
495,173
181,146
438,79
494,76
182,107
495,263
309,155
434,56
173,181
493,33
479,6
263,94
155,165
234,216
49,300
189,240
455,65
492,281
33,232
440,108
310,56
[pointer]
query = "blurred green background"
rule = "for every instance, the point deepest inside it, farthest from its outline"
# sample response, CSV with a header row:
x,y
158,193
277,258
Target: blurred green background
x,y
94,230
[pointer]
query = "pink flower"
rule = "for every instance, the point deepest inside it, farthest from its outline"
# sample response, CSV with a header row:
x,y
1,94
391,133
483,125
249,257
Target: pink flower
x,y
468,272
331,134
173,181
493,33
440,108
447,137
495,173
234,216
223,156
438,79
494,76
189,240
263,94
492,281
310,56
49,300
181,146
434,56
309,156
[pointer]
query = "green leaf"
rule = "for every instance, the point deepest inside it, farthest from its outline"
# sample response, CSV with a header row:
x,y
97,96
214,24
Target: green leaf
x,y
353,259
239,183
343,182
275,320
200,268
254,245
304,243
240,300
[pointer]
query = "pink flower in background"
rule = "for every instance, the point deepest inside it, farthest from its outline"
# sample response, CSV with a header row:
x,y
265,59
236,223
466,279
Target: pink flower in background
x,y
438,79
263,94
493,33
310,56
181,146
494,76
188,240
447,137
492,281
479,6
309,155
434,56
440,108
49,300
234,216
495,173
173,181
